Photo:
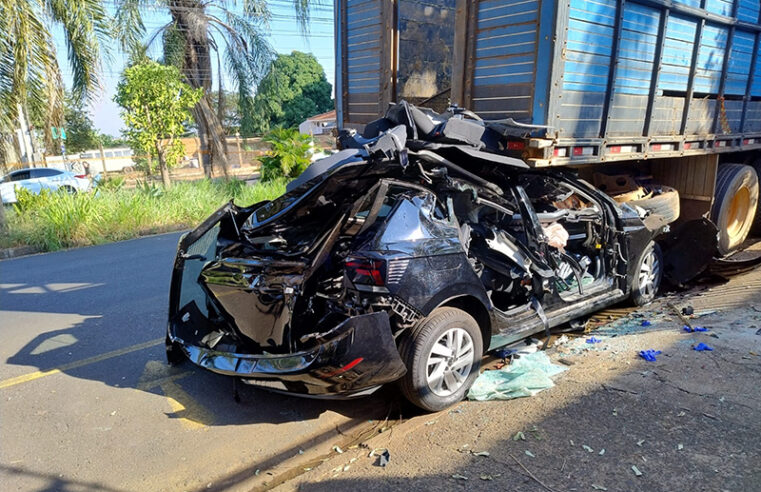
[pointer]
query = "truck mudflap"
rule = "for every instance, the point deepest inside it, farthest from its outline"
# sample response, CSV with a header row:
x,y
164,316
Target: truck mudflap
x,y
355,356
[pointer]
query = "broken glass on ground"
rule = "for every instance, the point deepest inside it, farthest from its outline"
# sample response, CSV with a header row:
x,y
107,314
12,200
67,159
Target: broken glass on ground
x,y
526,376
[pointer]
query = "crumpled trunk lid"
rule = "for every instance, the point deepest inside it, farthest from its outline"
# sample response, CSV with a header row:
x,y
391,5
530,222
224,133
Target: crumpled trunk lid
x,y
256,295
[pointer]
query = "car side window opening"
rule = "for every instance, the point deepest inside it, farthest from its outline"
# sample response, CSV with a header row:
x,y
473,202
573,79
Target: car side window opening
x,y
20,176
572,224
45,172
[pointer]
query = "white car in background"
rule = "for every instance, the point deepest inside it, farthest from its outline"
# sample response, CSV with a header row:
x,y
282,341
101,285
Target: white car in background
x,y
42,178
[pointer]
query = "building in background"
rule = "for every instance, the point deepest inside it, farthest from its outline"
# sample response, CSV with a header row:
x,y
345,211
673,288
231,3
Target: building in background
x,y
320,124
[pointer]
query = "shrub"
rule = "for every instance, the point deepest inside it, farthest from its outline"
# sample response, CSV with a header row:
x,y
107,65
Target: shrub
x,y
52,221
289,155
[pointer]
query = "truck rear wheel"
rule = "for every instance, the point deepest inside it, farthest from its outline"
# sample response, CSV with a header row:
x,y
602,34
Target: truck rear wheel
x,y
734,205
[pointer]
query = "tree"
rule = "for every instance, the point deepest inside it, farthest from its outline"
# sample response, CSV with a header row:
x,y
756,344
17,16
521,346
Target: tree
x,y
191,41
109,141
29,73
294,89
156,104
80,131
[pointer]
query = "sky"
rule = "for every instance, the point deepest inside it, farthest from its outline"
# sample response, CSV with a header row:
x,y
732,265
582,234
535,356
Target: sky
x,y
284,37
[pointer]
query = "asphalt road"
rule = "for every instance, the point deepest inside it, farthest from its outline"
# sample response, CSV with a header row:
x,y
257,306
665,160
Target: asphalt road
x,y
88,403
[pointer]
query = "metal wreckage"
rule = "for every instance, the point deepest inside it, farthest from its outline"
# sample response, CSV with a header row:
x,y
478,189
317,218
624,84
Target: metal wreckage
x,y
404,257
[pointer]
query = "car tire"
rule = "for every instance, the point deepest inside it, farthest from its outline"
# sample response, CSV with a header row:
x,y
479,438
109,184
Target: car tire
x,y
665,204
734,205
648,274
67,189
424,351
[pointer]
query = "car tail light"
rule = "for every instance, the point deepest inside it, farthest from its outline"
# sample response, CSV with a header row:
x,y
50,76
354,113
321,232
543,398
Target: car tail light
x,y
80,176
366,271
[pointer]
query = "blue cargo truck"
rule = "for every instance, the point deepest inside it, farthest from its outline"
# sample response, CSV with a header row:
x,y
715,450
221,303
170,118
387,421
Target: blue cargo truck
x,y
630,92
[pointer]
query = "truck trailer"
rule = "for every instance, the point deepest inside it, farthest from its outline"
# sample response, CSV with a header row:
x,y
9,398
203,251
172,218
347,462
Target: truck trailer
x,y
624,91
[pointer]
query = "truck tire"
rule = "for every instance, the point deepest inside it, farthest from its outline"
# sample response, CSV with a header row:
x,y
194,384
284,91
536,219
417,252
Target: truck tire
x,y
435,380
666,203
734,204
756,228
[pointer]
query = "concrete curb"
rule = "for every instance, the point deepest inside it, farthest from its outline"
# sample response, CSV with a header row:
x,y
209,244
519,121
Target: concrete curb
x,y
8,253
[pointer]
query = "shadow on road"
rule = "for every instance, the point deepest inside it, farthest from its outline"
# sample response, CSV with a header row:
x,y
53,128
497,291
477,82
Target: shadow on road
x,y
100,314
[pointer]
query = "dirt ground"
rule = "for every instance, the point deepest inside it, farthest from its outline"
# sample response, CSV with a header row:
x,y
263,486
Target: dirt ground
x,y
688,421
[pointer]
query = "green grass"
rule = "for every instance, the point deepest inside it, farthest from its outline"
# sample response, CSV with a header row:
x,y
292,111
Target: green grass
x,y
58,220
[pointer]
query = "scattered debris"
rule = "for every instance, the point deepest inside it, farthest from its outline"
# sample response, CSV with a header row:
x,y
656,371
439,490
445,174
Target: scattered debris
x,y
594,340
649,354
562,340
383,459
690,329
519,435
486,477
680,446
602,452
518,349
526,376
480,453
615,412
645,323
566,362
338,450
457,476
636,471
640,442
587,448
702,347
688,310
598,487
546,487
529,453
681,414
377,452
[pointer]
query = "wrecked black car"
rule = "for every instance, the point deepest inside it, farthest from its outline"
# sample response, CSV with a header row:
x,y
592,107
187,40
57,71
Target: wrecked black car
x,y
404,257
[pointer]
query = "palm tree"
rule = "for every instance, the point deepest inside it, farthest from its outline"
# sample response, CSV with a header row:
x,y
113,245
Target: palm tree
x,y
190,41
30,77
29,73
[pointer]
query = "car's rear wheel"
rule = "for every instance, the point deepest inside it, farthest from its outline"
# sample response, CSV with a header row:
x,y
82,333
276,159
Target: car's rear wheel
x,y
442,354
67,189
647,277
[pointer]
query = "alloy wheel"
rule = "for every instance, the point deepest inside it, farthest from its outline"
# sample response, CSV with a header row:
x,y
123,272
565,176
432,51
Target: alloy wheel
x,y
649,273
449,362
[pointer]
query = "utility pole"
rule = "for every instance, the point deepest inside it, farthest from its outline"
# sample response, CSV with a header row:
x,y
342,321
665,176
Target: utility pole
x,y
102,157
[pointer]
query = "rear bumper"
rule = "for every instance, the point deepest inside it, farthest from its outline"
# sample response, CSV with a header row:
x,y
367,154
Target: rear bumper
x,y
353,358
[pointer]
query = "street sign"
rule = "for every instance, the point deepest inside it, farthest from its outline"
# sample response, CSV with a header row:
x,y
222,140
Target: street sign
x,y
58,133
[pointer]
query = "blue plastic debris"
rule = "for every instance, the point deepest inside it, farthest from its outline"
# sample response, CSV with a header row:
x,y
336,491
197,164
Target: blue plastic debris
x,y
702,347
649,354
646,323
593,340
690,329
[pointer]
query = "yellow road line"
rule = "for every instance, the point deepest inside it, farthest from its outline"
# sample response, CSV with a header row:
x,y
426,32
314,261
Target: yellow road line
x,y
189,412
25,378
